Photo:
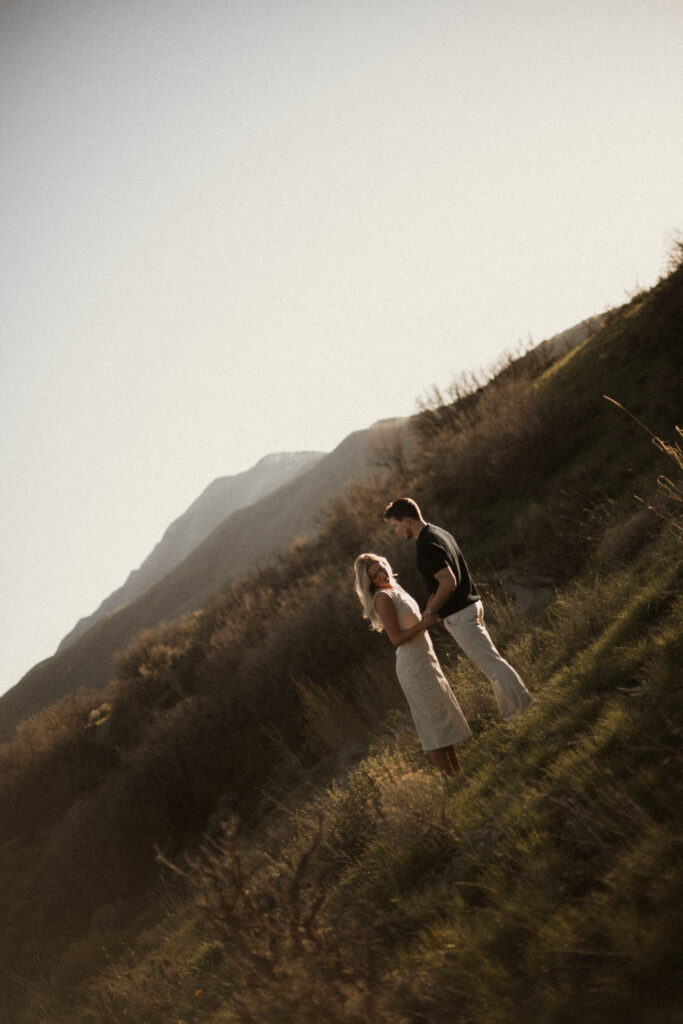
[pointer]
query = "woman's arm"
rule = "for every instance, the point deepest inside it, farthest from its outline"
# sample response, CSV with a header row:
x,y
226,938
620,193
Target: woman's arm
x,y
386,610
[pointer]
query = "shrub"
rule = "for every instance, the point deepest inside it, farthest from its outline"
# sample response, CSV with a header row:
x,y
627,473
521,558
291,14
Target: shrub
x,y
53,757
287,960
498,440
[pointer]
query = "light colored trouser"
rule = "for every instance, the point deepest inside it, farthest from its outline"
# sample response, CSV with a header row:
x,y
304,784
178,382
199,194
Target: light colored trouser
x,y
468,630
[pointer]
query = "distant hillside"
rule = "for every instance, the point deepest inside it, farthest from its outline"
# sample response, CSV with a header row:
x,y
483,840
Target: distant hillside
x,y
250,536
224,496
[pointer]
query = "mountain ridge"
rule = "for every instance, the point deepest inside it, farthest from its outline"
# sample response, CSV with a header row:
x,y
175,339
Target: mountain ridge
x,y
216,502
248,536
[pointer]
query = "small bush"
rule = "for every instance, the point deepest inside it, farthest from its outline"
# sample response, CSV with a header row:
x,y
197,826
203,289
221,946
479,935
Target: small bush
x,y
287,960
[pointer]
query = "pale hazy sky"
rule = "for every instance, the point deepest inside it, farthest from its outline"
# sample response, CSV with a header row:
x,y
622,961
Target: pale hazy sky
x,y
233,227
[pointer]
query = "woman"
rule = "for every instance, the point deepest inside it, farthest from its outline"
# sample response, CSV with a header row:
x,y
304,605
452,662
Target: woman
x,y
436,713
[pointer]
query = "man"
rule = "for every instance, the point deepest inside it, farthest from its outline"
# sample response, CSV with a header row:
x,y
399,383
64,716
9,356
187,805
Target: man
x,y
455,600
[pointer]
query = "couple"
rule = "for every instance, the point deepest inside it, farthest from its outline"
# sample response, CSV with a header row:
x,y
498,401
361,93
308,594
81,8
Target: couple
x,y
454,600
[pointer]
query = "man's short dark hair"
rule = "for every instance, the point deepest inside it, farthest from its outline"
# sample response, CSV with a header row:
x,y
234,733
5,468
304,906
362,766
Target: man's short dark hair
x,y
402,508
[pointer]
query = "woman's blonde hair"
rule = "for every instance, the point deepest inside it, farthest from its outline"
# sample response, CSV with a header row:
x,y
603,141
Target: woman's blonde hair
x,y
366,590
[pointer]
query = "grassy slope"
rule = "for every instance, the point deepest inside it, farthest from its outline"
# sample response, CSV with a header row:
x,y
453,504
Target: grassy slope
x,y
543,885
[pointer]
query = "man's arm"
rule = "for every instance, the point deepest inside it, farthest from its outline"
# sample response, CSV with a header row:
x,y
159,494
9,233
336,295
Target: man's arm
x,y
446,585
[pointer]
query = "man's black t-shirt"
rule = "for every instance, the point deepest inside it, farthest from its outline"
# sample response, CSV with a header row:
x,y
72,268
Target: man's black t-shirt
x,y
436,550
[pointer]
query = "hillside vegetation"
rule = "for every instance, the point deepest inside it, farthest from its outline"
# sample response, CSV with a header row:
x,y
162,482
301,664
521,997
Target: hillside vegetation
x,y
242,827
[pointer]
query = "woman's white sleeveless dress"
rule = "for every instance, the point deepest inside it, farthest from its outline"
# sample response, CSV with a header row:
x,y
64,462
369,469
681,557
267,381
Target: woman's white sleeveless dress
x,y
435,710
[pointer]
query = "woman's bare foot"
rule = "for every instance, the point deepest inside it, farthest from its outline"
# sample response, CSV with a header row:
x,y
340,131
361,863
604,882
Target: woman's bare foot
x,y
446,760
